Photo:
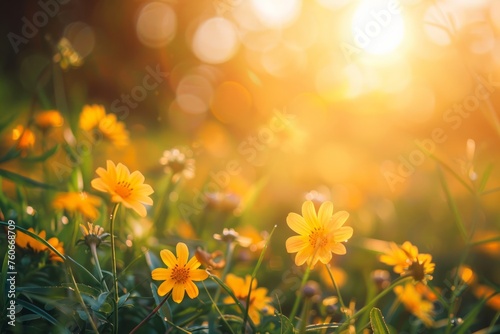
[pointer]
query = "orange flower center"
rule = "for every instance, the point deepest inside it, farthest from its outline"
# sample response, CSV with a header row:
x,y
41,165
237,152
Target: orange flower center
x,y
123,189
180,274
317,238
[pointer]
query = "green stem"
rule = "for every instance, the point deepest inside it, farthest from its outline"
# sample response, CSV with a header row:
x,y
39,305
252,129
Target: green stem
x,y
299,297
152,313
93,250
113,267
368,306
303,318
229,255
80,299
341,301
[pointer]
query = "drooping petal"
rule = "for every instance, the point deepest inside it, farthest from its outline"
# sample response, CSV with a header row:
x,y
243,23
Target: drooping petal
x,y
296,243
168,258
191,289
178,293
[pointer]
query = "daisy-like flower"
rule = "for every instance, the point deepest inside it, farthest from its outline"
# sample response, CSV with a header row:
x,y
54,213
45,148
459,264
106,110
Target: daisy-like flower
x,y
320,234
259,301
179,274
57,245
414,302
124,187
94,117
27,242
81,202
408,262
178,163
93,235
47,119
24,138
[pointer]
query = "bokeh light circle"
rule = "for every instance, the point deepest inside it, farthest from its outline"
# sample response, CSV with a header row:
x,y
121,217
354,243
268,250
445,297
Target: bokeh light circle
x,y
215,41
156,24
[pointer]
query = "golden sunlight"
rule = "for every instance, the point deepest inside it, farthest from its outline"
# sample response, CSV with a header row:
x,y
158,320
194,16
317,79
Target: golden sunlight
x,y
377,26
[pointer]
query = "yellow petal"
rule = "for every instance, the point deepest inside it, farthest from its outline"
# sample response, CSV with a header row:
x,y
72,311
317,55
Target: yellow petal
x,y
296,243
193,263
182,253
324,255
338,219
309,214
297,223
178,293
160,274
325,212
191,289
303,255
165,287
339,249
343,234
168,258
198,275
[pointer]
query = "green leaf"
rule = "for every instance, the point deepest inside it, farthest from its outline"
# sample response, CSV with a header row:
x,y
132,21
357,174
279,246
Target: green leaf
x,y
35,309
471,318
44,156
11,154
23,180
484,179
377,322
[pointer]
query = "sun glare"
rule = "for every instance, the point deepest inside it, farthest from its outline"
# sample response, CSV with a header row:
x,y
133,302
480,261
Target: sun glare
x,y
377,26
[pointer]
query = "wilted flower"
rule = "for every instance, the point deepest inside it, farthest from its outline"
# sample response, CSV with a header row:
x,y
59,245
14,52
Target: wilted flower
x,y
93,235
47,119
94,118
178,163
124,187
214,260
408,262
320,234
259,301
179,274
414,302
81,202
223,201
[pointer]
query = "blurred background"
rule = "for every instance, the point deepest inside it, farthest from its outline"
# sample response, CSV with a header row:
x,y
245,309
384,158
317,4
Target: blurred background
x,y
279,101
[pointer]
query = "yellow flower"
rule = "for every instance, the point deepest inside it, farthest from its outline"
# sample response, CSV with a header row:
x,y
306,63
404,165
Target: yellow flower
x,y
414,303
94,117
124,187
24,138
49,119
408,262
57,245
492,297
259,301
25,241
320,234
81,202
179,274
